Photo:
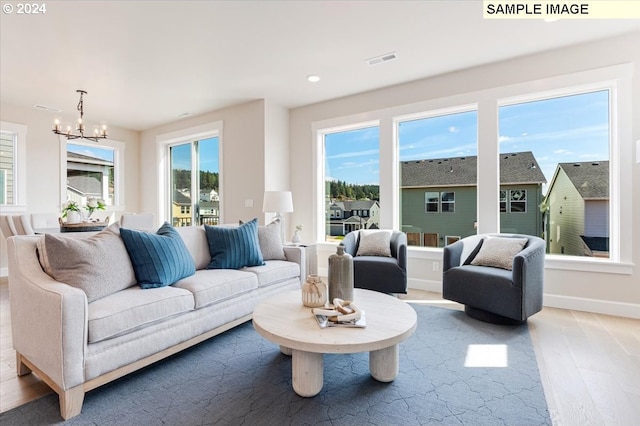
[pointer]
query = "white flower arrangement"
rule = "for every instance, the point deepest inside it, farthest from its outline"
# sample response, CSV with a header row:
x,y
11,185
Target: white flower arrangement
x,y
70,206
94,204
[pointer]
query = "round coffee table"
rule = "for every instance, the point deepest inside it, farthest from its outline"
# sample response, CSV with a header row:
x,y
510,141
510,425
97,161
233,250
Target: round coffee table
x,y
285,321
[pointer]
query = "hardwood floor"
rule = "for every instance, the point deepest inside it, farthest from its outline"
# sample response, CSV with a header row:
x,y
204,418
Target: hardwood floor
x,y
589,363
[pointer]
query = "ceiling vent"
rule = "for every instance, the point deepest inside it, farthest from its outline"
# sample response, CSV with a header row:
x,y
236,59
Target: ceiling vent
x,y
46,108
382,58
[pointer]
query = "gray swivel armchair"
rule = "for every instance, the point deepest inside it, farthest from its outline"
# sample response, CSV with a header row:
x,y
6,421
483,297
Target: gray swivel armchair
x,y
495,294
379,273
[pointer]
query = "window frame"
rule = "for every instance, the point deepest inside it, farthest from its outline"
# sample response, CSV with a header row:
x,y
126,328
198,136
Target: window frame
x,y
19,132
188,135
487,102
119,152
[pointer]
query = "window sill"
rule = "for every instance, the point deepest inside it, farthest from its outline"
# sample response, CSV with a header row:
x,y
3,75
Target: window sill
x,y
13,209
605,266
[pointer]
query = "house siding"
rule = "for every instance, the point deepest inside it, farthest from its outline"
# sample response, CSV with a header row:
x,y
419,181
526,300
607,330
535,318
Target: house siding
x,y
458,223
566,217
529,222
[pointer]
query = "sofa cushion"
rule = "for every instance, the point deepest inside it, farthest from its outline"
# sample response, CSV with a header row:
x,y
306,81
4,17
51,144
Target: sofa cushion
x,y
377,243
275,271
234,248
210,286
88,263
498,252
195,239
158,259
133,308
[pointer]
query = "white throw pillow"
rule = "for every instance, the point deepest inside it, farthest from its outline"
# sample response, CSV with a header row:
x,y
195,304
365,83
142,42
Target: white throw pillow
x,y
374,243
499,252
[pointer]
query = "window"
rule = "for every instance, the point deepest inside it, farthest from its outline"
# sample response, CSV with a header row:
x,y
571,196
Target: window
x,y
90,173
351,180
558,146
92,170
432,202
12,167
448,202
437,153
512,191
194,182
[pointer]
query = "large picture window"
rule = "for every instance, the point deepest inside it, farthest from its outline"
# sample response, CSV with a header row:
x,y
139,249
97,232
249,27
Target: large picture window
x,y
565,140
93,170
438,164
194,182
352,181
563,146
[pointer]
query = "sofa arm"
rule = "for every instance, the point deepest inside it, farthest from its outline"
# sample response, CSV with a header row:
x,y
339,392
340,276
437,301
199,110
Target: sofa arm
x,y
298,255
48,318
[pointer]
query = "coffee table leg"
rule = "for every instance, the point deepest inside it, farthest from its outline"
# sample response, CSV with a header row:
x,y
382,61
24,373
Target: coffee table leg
x,y
285,351
306,372
384,363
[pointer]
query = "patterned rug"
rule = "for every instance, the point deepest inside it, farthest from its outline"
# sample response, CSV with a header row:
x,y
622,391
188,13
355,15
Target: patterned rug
x,y
454,371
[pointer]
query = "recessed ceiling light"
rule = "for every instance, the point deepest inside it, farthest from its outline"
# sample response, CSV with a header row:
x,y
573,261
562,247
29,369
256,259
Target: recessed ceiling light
x,y
313,78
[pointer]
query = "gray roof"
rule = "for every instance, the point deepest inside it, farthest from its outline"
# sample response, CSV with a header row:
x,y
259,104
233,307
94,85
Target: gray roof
x,y
590,178
180,198
354,204
86,185
515,168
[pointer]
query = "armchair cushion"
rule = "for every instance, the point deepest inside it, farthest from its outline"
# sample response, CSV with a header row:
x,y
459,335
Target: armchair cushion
x,y
377,243
498,252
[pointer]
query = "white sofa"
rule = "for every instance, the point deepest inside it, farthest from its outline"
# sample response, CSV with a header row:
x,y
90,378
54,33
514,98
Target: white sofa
x,y
76,346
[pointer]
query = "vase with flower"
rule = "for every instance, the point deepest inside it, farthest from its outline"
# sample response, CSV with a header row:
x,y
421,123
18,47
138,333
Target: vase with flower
x,y
94,204
71,212
296,235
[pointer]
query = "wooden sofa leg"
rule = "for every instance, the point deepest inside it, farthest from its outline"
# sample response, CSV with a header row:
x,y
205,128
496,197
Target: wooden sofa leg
x,y
21,368
71,402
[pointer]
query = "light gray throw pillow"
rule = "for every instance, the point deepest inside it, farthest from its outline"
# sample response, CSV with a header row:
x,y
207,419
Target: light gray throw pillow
x,y
374,243
499,252
271,242
98,265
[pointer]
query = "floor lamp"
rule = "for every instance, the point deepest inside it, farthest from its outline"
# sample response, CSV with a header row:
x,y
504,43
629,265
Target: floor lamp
x,y
278,202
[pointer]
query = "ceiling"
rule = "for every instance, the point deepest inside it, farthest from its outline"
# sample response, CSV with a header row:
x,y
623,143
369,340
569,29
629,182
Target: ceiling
x,y
144,63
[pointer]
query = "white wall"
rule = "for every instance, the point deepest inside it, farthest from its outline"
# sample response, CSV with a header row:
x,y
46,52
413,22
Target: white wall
x,y
43,162
600,292
246,164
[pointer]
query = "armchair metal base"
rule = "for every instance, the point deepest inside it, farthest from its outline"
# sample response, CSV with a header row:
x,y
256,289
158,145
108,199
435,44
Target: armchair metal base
x,y
485,316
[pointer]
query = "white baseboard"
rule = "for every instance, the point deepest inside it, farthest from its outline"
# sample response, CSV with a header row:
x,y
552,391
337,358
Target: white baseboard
x,y
607,307
4,272
425,285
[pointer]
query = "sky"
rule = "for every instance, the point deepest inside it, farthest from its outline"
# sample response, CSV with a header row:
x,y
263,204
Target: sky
x,y
566,129
209,155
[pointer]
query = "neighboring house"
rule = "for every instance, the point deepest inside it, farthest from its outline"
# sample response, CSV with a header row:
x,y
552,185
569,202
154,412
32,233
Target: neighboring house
x,y
346,216
211,195
439,197
181,209
209,212
89,176
578,209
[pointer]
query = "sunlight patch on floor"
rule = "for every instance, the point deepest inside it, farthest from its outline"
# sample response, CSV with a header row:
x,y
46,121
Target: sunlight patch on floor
x,y
486,356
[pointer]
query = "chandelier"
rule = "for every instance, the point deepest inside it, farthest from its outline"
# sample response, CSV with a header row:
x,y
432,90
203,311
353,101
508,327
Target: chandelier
x,y
97,133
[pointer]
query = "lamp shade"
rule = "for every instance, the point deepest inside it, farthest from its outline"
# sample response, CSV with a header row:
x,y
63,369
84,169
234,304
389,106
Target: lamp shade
x,y
277,202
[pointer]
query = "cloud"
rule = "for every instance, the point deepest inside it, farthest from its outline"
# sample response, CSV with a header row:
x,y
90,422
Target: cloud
x,y
562,151
454,129
502,139
354,154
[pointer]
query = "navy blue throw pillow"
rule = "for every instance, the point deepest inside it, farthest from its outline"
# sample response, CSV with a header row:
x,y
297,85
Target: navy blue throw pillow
x,y
158,259
234,248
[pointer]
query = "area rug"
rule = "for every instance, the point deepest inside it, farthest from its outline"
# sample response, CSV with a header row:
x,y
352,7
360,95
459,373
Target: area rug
x,y
454,371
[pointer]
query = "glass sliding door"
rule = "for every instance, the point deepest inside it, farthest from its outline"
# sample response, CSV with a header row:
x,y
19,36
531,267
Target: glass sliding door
x,y
194,182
